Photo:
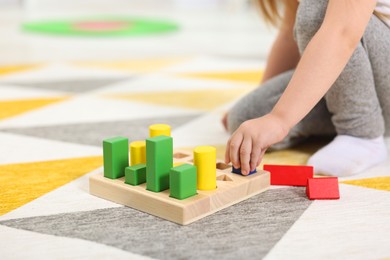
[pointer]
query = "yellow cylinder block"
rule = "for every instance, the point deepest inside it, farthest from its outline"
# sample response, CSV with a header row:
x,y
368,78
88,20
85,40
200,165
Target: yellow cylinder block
x,y
205,158
159,129
137,152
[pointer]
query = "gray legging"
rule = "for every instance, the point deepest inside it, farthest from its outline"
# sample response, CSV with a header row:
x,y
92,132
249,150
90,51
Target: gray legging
x,y
358,103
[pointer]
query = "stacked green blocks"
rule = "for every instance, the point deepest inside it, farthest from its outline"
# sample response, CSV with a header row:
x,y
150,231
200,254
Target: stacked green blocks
x,y
182,181
159,161
158,172
116,157
136,174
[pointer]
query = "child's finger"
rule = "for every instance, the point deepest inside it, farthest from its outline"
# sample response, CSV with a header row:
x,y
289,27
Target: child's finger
x,y
234,150
261,156
227,152
255,155
245,155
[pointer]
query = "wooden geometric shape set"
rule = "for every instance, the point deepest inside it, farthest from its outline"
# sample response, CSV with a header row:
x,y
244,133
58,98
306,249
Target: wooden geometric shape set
x,y
231,189
182,186
178,186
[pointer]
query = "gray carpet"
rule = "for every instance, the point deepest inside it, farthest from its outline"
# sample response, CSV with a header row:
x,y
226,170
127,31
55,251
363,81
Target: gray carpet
x,y
94,133
247,230
74,86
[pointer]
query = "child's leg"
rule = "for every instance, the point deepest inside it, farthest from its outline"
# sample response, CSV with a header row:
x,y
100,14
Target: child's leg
x,y
376,42
352,100
261,101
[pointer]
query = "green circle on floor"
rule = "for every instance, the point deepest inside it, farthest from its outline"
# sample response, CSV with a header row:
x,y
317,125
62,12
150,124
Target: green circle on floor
x,y
102,27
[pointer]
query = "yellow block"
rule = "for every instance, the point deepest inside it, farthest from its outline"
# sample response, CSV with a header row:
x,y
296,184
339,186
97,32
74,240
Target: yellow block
x,y
159,129
205,158
138,152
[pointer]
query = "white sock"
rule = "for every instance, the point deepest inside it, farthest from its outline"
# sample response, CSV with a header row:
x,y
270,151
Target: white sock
x,y
348,155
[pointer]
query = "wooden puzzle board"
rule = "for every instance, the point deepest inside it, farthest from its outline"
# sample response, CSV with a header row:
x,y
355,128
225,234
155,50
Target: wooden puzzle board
x,y
231,189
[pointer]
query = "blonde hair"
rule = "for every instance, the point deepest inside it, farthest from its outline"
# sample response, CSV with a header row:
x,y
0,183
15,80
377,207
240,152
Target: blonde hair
x,y
382,16
272,10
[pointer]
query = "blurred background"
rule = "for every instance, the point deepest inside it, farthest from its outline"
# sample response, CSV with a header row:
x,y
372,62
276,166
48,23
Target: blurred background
x,y
231,28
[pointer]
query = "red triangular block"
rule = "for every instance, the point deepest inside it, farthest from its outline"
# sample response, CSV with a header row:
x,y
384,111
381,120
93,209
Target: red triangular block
x,y
289,175
326,188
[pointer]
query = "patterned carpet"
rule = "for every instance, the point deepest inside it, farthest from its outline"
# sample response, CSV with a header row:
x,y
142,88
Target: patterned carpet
x,y
53,118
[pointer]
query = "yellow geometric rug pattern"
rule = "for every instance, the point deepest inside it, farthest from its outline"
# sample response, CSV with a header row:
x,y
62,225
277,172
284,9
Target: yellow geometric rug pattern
x,y
253,76
141,65
4,70
22,183
193,99
378,183
17,107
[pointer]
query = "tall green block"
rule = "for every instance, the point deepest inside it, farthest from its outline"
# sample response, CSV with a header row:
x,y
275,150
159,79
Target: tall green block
x,y
135,174
182,181
116,157
159,161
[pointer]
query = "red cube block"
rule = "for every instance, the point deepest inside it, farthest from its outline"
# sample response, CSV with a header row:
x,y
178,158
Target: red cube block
x,y
326,188
289,175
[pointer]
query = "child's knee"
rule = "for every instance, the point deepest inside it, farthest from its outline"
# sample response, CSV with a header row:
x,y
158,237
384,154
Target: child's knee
x,y
254,105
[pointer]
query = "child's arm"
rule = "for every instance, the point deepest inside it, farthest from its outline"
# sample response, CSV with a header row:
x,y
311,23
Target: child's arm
x,y
284,54
322,62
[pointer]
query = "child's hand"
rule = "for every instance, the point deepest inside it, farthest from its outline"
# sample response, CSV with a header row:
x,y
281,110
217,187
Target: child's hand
x,y
247,145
